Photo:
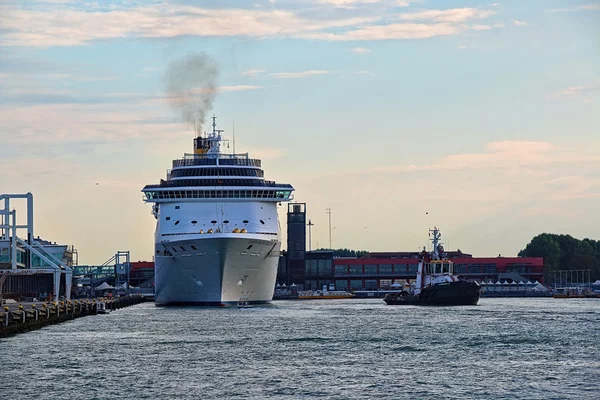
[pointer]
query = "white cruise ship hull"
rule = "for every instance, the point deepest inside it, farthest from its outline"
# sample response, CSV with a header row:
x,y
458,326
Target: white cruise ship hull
x,y
219,269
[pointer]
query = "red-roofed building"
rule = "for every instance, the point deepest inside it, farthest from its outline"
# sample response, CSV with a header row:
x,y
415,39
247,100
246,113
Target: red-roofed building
x,y
141,271
379,270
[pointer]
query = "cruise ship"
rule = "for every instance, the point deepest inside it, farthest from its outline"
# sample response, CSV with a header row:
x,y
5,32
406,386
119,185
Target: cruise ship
x,y
217,236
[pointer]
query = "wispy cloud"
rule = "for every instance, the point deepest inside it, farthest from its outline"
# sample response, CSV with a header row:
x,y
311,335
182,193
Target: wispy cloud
x,y
252,72
294,75
72,26
454,15
579,91
520,23
583,7
360,50
367,73
500,155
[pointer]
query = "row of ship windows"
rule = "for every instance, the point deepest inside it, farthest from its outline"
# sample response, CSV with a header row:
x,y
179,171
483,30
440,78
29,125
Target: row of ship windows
x,y
214,221
219,194
217,172
183,249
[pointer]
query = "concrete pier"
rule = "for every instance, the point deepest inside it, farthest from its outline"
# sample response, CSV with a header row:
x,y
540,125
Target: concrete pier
x,y
24,317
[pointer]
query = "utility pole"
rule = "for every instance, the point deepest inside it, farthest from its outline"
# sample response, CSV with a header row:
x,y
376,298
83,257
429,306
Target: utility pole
x,y
328,211
310,224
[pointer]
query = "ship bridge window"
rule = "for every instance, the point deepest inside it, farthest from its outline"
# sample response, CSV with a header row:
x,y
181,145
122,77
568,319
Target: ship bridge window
x,y
249,247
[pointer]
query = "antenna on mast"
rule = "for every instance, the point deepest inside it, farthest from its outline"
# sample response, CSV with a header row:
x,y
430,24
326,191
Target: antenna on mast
x,y
233,131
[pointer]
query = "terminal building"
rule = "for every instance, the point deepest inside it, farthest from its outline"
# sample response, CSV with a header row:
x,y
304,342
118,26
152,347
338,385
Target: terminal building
x,y
312,270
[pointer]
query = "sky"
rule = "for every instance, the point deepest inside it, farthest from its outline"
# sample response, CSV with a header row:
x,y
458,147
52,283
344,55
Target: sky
x,y
480,118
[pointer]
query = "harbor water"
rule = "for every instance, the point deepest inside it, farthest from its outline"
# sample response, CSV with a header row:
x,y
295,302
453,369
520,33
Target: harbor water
x,y
343,349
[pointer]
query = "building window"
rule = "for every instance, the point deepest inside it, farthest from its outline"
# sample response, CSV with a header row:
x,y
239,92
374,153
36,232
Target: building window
x,y
356,284
356,270
341,284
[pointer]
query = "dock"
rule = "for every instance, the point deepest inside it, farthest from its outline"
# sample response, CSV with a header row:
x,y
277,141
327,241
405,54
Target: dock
x,y
24,317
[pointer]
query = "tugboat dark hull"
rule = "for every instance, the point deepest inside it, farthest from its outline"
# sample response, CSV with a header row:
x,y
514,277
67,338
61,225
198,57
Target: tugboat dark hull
x,y
449,294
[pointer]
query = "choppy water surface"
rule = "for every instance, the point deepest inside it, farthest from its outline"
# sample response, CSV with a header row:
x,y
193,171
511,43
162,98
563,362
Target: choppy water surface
x,y
346,349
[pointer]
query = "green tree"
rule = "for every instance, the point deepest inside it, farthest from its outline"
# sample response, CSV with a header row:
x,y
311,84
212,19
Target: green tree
x,y
565,252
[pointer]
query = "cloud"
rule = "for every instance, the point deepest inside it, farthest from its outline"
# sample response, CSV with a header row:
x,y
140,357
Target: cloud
x,y
72,26
520,23
583,7
462,46
295,75
252,72
578,91
500,155
367,73
454,15
360,50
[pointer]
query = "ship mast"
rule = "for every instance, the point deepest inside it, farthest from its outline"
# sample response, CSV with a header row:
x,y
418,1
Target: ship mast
x,y
214,139
437,244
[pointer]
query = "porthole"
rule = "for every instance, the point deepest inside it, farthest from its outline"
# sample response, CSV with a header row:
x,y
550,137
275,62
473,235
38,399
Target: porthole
x,y
177,207
226,221
193,247
245,221
262,222
182,248
249,247
177,222
168,218
194,222
174,249
213,222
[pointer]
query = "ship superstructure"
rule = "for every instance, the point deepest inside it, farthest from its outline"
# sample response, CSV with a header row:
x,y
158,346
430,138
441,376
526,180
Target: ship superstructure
x,y
217,236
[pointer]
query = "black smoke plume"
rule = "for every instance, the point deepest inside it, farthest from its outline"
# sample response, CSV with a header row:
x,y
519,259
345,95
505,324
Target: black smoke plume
x,y
192,87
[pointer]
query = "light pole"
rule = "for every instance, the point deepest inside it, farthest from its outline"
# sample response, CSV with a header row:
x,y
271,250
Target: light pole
x,y
328,210
310,224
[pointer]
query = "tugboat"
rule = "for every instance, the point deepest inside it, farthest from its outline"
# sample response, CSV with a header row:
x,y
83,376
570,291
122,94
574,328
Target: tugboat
x,y
436,283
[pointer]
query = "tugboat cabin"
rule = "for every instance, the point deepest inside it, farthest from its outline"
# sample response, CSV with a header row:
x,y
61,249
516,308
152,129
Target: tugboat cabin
x,y
439,267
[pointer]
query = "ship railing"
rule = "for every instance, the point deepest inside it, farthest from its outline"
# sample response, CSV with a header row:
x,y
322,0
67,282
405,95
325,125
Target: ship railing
x,y
194,156
190,162
197,183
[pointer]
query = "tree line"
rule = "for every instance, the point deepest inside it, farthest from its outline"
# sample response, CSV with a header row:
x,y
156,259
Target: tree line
x,y
347,252
564,252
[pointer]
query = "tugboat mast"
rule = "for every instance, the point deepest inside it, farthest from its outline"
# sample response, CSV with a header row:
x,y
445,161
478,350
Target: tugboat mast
x,y
437,244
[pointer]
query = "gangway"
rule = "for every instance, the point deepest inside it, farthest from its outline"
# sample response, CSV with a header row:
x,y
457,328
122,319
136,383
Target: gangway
x,y
117,267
